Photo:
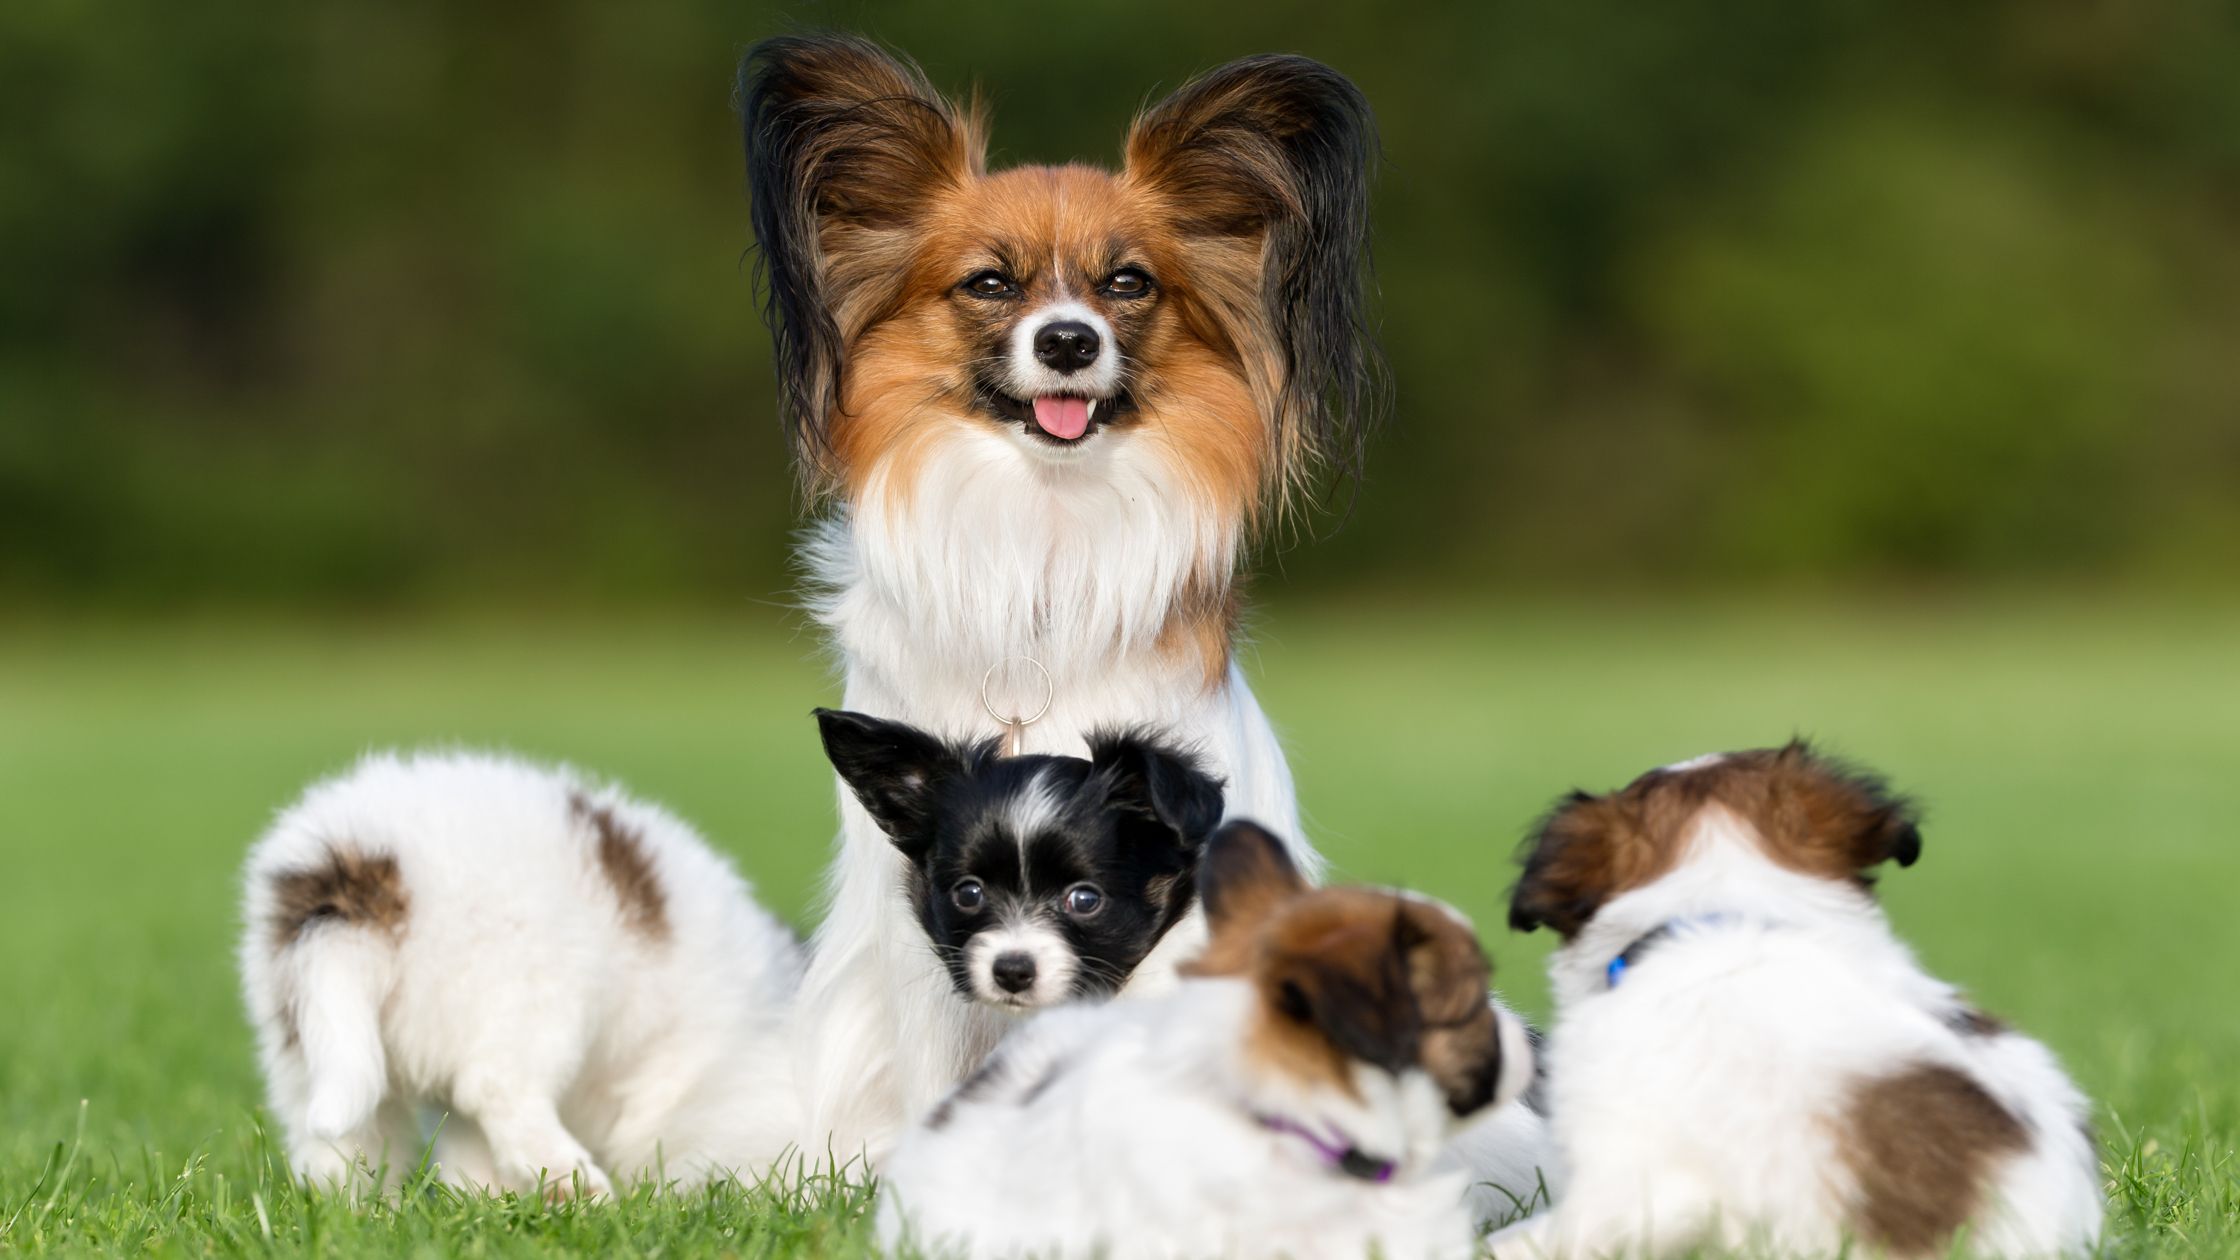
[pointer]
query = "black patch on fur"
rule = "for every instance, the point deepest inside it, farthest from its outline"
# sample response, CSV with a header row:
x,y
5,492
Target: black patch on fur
x,y
1130,821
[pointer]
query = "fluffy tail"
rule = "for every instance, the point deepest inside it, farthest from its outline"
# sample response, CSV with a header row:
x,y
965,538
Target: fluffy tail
x,y
340,977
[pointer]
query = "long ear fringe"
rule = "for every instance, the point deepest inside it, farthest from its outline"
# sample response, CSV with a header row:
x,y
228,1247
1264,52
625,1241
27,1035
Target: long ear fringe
x,y
1288,149
818,113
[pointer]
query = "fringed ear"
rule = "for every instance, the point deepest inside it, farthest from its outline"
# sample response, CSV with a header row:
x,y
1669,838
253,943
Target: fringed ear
x,y
896,770
844,143
1571,864
1846,821
1159,782
1265,165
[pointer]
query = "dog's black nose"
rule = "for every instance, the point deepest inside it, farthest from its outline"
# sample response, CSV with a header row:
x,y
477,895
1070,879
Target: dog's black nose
x,y
1067,345
1014,972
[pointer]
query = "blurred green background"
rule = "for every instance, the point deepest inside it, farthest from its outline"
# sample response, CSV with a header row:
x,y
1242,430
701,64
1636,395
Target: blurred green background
x,y
389,373
396,305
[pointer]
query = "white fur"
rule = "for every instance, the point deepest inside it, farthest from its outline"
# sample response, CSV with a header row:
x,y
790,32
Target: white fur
x,y
1130,1129
1700,1100
561,1040
997,550
1027,377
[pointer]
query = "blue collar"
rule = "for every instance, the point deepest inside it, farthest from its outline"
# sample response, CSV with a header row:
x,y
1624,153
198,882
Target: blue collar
x,y
1617,967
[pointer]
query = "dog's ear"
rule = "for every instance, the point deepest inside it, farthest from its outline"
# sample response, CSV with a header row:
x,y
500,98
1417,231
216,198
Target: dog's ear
x,y
1156,781
1264,165
1573,860
896,770
1450,978
846,145
1244,874
1836,819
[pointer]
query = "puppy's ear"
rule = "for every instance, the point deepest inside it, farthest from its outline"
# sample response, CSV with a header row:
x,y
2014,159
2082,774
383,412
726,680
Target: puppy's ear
x,y
1159,782
1573,861
1243,875
1847,821
846,145
896,770
1264,165
1449,977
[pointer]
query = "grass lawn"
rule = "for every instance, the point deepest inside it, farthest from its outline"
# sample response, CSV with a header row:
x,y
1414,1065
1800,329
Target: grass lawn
x,y
2080,764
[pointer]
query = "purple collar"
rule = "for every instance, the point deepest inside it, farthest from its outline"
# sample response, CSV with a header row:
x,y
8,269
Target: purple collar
x,y
1339,1155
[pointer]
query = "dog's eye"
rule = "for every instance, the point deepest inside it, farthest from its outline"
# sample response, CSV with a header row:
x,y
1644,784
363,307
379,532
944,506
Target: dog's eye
x,y
1083,900
1127,282
968,895
990,284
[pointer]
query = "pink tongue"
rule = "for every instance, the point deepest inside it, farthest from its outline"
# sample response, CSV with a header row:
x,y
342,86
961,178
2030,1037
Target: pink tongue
x,y
1061,417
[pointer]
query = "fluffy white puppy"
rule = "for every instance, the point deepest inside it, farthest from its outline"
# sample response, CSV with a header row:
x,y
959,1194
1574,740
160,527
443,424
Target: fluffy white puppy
x,y
1288,1098
1745,1056
585,987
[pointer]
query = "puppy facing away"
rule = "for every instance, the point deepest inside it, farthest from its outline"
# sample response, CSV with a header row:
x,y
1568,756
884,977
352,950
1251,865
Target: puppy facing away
x,y
1045,410
1745,1056
585,988
1037,879
1287,1098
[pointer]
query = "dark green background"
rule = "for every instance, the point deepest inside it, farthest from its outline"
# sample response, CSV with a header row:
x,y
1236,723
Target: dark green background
x,y
401,304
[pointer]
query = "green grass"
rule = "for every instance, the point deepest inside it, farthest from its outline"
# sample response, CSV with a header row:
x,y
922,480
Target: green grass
x,y
2081,766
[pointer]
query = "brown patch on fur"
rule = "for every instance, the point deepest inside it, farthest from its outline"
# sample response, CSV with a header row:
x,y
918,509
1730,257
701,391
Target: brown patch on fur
x,y
1201,628
348,887
628,868
1347,975
1807,813
1922,1144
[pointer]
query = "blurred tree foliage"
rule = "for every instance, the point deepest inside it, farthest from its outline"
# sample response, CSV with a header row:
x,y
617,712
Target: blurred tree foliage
x,y
359,301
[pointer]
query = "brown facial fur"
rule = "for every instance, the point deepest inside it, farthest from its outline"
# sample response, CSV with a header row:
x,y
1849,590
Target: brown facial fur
x,y
629,870
1922,1143
1347,975
1809,814
348,887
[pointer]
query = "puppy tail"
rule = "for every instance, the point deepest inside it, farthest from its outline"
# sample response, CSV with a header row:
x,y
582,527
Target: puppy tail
x,y
343,975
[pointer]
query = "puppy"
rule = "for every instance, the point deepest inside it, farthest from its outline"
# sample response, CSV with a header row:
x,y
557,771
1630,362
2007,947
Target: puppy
x,y
575,977
1046,408
1745,1057
1037,879
1287,1099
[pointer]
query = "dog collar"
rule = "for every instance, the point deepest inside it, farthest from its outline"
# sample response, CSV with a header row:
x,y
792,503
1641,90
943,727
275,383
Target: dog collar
x,y
1344,1157
1616,968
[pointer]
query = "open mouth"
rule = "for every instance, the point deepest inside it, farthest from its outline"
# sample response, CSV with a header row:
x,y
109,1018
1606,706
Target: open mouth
x,y
1062,419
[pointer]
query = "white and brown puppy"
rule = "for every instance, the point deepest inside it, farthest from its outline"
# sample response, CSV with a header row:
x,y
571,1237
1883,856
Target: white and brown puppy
x,y
1745,1056
1047,408
584,986
1289,1098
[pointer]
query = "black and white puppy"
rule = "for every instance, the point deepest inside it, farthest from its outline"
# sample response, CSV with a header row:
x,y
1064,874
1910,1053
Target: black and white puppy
x,y
1038,879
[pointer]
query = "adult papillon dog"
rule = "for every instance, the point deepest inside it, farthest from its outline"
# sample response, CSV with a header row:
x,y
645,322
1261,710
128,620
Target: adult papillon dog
x,y
1045,408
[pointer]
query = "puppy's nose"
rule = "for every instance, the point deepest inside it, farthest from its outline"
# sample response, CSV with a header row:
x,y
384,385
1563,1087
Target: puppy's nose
x,y
1014,972
1067,345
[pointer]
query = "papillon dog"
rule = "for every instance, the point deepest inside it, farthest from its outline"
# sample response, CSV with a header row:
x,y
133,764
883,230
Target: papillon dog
x,y
1037,879
1046,409
1746,1057
581,986
1288,1097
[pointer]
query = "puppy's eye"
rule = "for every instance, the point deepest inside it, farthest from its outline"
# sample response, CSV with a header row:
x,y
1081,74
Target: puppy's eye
x,y
968,895
1083,900
1127,282
990,284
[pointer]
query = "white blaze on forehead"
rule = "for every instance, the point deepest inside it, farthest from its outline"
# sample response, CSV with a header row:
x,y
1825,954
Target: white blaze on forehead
x,y
1693,763
1054,962
1029,379
1036,808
